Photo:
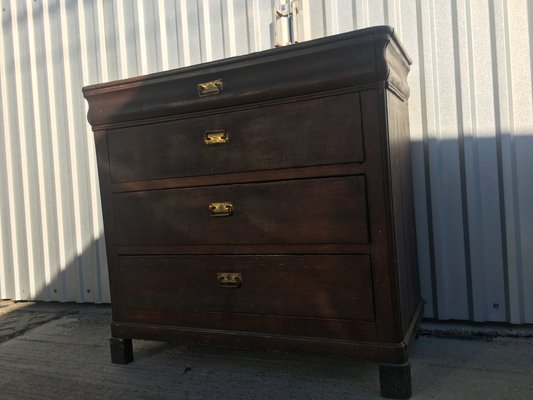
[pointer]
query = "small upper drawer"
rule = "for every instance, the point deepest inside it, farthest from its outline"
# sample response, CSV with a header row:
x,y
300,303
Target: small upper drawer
x,y
319,131
345,61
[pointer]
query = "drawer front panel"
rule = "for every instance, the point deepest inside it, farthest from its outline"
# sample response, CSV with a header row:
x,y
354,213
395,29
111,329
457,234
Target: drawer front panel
x,y
308,133
307,211
325,286
281,73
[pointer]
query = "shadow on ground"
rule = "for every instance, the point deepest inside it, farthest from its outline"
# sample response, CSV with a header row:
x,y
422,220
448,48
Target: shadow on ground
x,y
63,353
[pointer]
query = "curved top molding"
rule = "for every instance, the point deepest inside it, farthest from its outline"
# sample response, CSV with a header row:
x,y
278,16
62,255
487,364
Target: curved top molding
x,y
346,60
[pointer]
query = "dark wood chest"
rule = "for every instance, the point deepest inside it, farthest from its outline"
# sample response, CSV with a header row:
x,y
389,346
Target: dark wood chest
x,y
264,201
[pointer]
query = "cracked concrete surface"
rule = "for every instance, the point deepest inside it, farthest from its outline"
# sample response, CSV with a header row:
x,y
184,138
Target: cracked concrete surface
x,y
50,351
17,318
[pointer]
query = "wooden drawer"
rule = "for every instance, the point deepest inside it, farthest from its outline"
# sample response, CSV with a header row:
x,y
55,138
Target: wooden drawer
x,y
305,211
274,74
314,132
323,286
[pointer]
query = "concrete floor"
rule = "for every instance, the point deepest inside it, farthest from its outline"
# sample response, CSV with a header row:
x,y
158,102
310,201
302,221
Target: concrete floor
x,y
60,351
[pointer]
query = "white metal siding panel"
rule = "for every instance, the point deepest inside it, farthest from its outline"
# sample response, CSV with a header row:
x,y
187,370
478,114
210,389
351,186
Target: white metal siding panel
x,y
471,124
471,69
518,137
471,164
51,241
465,271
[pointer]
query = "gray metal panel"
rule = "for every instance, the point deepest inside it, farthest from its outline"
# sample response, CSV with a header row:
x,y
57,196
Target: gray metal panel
x,y
52,245
471,120
471,169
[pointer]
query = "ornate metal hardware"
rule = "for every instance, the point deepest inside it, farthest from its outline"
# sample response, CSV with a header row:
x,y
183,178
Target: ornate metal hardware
x,y
210,88
218,136
222,209
229,279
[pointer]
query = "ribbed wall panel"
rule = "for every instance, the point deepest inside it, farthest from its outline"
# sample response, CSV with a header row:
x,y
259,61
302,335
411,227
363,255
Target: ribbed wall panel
x,y
471,118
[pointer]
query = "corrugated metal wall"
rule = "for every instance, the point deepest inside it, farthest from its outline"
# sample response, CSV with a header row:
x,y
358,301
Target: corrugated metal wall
x,y
471,123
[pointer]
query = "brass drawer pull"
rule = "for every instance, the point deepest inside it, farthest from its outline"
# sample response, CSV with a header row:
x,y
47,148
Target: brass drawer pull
x,y
224,209
210,88
229,279
219,136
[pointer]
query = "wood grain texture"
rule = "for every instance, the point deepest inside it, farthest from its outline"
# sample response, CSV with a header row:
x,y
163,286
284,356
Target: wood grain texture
x,y
264,138
403,208
322,171
279,325
303,286
380,216
344,60
327,210
269,248
317,170
383,352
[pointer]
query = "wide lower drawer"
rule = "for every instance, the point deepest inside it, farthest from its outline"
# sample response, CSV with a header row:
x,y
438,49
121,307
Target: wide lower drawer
x,y
314,132
188,289
305,211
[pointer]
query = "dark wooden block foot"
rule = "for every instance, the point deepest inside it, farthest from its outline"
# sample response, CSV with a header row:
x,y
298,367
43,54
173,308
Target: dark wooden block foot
x,y
395,380
121,350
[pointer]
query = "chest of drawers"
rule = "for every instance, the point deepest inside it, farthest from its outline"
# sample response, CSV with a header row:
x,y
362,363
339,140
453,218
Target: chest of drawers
x,y
265,201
